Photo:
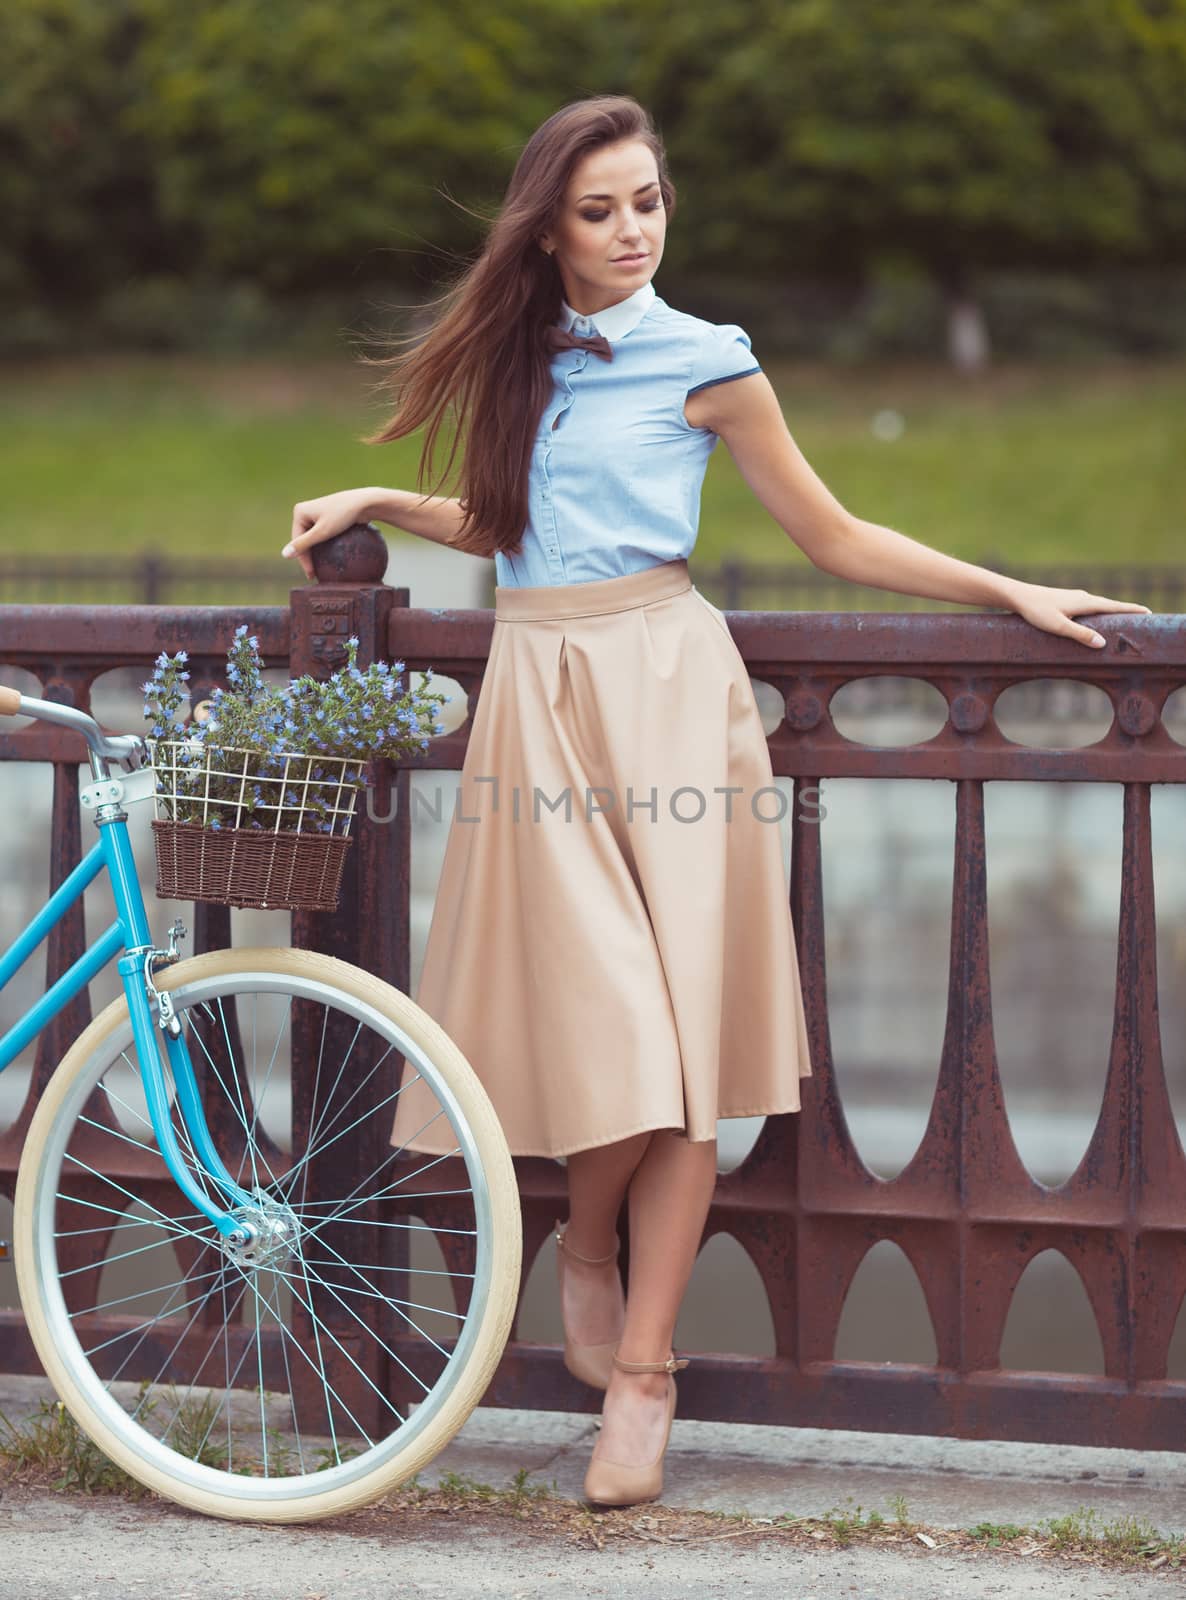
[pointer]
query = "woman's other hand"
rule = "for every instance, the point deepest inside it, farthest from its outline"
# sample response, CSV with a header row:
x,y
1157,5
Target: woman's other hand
x,y
315,520
1053,610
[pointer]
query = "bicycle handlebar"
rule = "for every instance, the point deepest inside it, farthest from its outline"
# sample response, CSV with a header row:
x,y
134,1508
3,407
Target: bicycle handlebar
x,y
104,746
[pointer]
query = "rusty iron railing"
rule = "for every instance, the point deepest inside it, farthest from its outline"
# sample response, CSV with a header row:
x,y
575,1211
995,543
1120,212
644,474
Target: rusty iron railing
x,y
156,577
804,1207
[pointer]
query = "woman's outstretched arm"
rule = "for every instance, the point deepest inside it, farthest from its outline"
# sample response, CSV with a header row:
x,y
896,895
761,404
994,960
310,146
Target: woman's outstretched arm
x,y
747,415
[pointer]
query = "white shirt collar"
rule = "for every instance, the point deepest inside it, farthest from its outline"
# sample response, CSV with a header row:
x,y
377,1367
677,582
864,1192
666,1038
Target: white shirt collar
x,y
616,321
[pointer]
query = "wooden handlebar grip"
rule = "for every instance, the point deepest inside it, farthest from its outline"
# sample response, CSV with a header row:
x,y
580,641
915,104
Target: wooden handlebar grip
x,y
10,702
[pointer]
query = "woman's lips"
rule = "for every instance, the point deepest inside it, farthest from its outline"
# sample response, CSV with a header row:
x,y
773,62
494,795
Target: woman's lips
x,y
628,260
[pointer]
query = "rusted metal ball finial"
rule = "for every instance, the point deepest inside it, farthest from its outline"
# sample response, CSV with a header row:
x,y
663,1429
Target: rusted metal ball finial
x,y
357,555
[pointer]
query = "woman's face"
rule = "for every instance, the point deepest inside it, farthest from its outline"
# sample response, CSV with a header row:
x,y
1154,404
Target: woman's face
x,y
612,209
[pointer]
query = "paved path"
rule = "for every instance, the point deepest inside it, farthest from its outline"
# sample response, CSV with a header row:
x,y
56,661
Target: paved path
x,y
59,1547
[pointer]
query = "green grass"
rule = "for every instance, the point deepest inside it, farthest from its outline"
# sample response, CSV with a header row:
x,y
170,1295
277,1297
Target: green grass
x,y
52,1447
206,457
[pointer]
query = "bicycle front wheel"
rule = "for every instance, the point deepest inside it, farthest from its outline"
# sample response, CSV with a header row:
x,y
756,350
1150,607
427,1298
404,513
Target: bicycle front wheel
x,y
332,1358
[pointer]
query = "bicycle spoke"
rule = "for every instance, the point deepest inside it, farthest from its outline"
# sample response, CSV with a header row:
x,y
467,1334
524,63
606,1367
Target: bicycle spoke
x,y
231,1376
317,1127
309,1154
320,1370
421,1272
259,1360
351,1268
333,1433
132,1222
124,1255
262,1089
313,1103
427,1167
165,1311
137,1199
153,1288
296,1425
329,1289
239,1111
323,1126
387,1299
362,1222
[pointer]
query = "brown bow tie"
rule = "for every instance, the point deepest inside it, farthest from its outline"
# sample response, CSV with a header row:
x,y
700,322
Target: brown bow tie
x,y
564,339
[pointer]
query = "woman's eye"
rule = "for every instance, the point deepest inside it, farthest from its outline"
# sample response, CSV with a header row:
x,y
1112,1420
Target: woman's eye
x,y
600,216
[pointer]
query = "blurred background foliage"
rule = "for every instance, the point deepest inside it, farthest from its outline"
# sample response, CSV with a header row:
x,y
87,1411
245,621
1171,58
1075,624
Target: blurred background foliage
x,y
210,207
855,179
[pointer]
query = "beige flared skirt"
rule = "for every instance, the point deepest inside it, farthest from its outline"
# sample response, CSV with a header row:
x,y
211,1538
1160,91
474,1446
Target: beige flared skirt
x,y
611,943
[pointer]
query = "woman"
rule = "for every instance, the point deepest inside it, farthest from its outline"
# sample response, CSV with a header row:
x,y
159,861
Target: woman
x,y
620,968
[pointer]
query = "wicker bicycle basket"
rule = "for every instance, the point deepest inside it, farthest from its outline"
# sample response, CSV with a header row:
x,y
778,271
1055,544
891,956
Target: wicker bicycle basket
x,y
241,829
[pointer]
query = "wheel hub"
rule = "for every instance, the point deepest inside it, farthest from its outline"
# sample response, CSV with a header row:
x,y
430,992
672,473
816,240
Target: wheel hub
x,y
268,1235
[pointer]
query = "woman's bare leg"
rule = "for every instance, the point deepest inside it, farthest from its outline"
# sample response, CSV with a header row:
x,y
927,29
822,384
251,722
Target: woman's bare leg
x,y
670,1194
597,1183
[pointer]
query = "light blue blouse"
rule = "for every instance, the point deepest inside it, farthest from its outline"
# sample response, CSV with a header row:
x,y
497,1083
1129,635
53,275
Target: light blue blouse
x,y
616,472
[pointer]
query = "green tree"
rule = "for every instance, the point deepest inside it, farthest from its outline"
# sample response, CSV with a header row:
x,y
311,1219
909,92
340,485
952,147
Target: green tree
x,y
75,184
961,136
300,140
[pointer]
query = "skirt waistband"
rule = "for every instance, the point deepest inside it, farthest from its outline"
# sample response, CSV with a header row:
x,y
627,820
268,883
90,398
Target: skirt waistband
x,y
539,602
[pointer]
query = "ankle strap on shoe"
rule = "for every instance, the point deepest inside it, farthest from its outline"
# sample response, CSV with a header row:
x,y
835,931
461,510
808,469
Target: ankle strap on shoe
x,y
592,1261
672,1364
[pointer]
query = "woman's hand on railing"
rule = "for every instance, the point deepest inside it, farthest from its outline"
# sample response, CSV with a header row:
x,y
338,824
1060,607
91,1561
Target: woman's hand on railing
x,y
1053,609
315,520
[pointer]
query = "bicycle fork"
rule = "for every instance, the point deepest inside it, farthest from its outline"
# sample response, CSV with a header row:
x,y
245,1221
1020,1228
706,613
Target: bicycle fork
x,y
136,968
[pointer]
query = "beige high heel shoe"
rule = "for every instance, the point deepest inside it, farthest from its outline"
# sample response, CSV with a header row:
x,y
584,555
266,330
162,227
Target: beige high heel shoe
x,y
589,1362
616,1483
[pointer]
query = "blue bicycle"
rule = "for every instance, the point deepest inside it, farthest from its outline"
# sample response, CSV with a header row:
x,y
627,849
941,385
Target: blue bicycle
x,y
220,1259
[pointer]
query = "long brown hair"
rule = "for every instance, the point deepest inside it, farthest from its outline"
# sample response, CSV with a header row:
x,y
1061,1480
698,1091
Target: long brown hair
x,y
484,359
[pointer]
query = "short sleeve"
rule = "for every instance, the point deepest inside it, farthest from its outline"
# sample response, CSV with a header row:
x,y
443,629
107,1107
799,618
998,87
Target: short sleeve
x,y
724,353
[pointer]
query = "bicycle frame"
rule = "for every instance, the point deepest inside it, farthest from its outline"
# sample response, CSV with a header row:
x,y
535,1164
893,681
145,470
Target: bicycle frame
x,y
128,937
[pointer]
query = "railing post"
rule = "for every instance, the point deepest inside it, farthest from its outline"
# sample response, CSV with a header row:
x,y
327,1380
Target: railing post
x,y
352,599
370,930
733,578
152,576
